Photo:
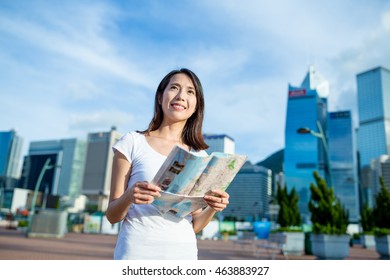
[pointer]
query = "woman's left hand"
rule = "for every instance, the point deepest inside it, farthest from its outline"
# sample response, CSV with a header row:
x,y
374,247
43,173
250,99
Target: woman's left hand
x,y
217,199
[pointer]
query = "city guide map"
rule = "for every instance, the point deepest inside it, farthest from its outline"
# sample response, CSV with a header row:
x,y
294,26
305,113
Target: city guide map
x,y
185,178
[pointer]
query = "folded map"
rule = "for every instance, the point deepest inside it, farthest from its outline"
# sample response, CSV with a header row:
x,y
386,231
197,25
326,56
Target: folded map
x,y
185,178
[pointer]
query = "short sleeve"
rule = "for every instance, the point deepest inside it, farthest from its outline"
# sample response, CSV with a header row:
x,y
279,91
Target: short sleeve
x,y
125,145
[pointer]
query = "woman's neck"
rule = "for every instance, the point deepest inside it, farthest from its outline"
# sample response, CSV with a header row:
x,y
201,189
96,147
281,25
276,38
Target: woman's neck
x,y
168,132
169,139
164,139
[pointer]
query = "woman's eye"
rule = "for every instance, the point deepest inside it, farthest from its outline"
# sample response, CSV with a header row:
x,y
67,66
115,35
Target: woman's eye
x,y
174,87
191,92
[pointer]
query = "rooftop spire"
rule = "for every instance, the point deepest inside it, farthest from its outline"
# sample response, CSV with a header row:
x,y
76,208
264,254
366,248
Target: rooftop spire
x,y
314,80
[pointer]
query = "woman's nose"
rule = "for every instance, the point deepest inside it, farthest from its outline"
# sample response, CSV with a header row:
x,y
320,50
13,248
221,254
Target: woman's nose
x,y
180,95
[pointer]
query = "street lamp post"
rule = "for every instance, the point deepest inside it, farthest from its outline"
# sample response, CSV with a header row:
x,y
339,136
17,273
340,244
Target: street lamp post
x,y
321,135
45,167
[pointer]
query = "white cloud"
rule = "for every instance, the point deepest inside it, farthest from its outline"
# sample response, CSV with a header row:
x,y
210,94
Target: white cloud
x,y
93,65
99,120
369,53
62,37
386,20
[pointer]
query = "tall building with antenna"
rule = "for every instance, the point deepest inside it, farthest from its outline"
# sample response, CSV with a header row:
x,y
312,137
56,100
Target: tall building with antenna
x,y
306,107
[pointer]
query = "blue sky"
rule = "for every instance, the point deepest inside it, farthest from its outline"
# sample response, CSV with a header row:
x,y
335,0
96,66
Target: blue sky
x,y
73,67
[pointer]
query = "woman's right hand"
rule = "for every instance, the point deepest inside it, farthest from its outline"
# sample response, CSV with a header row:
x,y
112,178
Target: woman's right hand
x,y
143,192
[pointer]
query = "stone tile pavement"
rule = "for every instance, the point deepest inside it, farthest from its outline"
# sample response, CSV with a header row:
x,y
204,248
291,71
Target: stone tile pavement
x,y
78,246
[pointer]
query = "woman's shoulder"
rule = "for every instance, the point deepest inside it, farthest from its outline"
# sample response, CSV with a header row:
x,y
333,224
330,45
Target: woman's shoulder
x,y
132,136
129,144
130,139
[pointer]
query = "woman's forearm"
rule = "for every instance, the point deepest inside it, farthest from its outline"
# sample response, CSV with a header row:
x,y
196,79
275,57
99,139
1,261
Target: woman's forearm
x,y
117,209
200,220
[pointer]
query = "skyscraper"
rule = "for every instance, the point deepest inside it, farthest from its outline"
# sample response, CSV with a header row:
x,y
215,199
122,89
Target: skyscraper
x,y
10,158
373,87
304,154
98,165
343,162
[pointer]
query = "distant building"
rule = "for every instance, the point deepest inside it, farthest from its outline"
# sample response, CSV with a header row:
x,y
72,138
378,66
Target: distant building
x,y
249,193
98,165
274,162
66,159
366,189
219,143
380,167
10,159
14,199
343,161
304,154
279,180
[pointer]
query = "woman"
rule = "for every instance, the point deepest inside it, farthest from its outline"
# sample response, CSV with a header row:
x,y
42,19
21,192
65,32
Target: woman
x,y
177,120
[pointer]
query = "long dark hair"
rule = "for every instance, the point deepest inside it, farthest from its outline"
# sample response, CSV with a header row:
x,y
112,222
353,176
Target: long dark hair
x,y
192,133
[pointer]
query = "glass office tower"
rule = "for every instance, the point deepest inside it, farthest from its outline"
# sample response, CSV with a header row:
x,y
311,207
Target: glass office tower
x,y
304,153
343,161
10,158
373,87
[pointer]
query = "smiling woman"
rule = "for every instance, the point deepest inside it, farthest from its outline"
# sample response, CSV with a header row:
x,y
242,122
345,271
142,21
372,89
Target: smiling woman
x,y
177,120
178,100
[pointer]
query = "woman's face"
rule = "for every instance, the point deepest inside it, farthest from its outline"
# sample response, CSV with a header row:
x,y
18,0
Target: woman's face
x,y
178,100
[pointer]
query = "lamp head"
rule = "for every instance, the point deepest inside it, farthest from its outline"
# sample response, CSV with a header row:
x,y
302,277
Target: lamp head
x,y
303,130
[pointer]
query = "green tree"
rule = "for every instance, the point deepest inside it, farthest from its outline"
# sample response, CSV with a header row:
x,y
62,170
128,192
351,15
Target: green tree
x,y
367,219
382,207
327,214
288,215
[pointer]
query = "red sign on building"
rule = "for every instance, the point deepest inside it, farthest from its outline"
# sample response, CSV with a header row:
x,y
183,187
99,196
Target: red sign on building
x,y
297,92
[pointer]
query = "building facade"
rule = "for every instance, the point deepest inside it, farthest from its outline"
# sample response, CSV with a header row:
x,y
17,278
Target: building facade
x,y
249,193
304,154
274,162
10,159
63,177
373,88
98,165
380,167
219,143
343,161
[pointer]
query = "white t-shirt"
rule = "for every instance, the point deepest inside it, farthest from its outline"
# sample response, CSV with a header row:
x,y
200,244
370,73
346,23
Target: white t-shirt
x,y
145,233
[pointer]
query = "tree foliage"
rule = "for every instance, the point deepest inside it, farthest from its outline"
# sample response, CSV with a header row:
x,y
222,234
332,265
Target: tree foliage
x,y
367,219
381,210
288,215
328,215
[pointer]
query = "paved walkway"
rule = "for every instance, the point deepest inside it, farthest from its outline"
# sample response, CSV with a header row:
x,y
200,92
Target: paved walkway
x,y
77,246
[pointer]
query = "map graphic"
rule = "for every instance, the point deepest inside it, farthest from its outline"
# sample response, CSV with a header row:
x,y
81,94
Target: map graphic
x,y
185,178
